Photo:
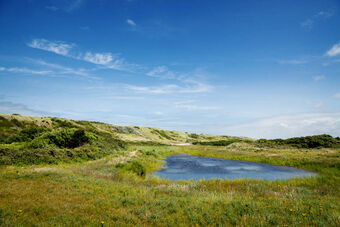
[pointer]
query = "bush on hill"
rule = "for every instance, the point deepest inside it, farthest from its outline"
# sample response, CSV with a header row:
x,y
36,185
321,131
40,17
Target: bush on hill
x,y
317,141
218,142
28,143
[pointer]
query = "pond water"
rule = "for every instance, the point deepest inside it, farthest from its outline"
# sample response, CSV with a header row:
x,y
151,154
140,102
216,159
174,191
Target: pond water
x,y
185,167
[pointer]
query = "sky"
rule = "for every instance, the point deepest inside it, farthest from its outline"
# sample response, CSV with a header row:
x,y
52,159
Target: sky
x,y
261,68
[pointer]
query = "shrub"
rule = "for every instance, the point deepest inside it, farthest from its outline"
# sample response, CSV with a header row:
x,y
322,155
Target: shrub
x,y
70,138
137,168
4,122
133,166
218,142
316,141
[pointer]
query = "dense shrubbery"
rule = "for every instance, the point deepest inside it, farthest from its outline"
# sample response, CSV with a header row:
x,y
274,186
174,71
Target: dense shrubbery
x,y
133,166
27,143
161,134
218,142
317,141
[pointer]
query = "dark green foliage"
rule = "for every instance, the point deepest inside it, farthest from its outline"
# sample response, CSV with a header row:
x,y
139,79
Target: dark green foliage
x,y
25,135
218,142
62,123
161,134
27,143
4,122
317,141
68,138
133,166
194,136
17,123
49,155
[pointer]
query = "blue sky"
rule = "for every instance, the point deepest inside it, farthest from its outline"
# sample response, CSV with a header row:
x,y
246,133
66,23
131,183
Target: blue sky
x,y
246,68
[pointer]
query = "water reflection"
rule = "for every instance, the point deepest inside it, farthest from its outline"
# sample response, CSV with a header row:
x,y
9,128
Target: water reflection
x,y
185,167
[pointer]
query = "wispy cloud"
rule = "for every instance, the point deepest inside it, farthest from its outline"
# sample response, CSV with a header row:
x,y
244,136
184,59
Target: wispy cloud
x,y
162,72
74,5
98,58
171,88
25,71
334,51
190,105
57,47
8,107
130,22
337,95
288,126
67,6
109,60
317,104
65,70
309,22
50,69
52,8
319,77
293,61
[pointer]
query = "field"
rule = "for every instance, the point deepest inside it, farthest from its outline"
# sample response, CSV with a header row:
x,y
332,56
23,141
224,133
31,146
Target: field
x,y
117,189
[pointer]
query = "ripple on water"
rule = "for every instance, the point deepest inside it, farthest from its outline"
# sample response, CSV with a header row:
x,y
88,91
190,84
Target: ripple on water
x,y
185,167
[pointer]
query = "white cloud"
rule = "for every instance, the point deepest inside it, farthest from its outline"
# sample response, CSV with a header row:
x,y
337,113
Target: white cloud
x,y
162,72
74,5
7,107
171,88
65,70
324,14
308,24
53,8
130,22
337,95
57,47
288,126
293,62
196,107
334,51
98,58
316,105
108,60
26,71
318,78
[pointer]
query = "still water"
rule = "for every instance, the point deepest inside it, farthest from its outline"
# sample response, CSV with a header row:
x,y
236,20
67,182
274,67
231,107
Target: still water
x,y
185,167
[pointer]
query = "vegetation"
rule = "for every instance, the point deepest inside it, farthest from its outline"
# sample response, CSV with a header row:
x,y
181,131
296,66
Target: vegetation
x,y
27,142
218,142
116,188
305,142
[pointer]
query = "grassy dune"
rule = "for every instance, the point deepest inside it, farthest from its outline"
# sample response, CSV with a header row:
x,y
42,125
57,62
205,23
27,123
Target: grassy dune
x,y
116,189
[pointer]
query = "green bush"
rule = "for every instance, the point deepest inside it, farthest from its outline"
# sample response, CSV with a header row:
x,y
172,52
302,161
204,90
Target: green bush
x,y
70,138
218,142
137,168
26,135
4,122
133,166
316,141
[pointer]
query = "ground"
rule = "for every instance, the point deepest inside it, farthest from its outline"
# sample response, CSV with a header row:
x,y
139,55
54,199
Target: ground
x,y
96,193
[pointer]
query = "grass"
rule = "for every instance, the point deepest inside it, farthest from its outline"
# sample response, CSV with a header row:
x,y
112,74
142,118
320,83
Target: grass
x,y
104,181
85,194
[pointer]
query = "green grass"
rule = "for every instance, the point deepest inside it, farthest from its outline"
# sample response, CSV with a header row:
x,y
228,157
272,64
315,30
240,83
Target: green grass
x,y
84,194
101,180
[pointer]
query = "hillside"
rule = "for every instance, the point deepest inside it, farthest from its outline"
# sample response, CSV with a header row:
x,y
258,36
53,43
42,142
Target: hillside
x,y
28,140
60,172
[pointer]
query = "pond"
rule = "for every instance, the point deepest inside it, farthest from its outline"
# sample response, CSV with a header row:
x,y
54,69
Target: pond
x,y
185,167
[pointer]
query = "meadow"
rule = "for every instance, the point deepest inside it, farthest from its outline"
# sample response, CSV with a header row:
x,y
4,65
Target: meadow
x,y
117,188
